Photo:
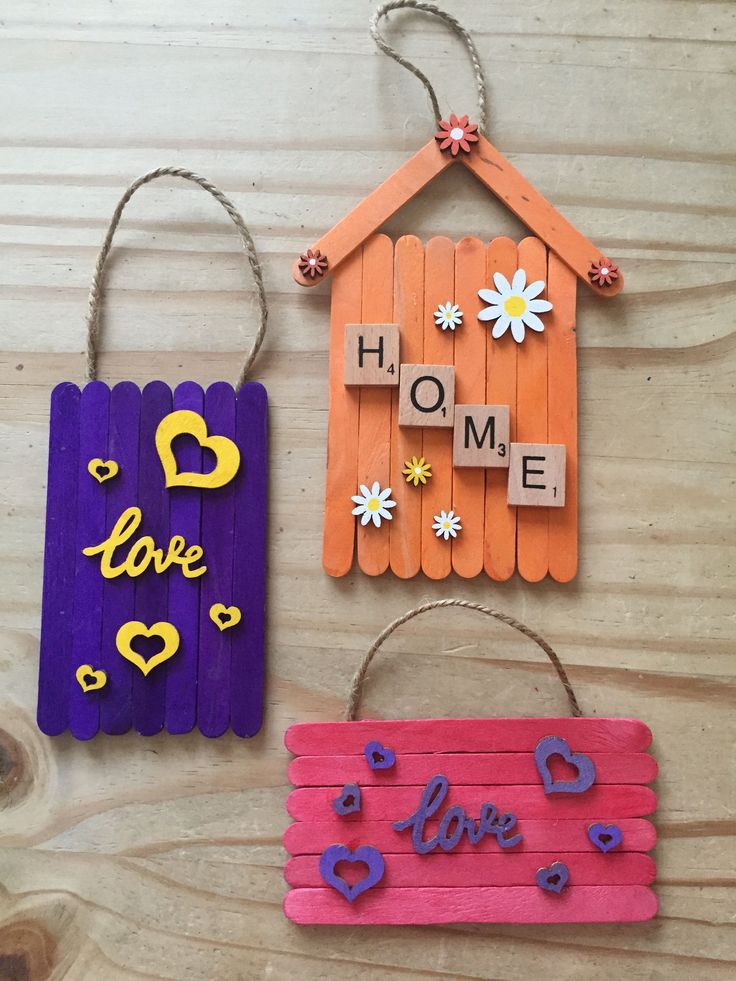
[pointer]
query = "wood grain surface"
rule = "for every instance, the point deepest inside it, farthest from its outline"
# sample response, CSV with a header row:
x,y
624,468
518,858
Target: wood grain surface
x,y
130,858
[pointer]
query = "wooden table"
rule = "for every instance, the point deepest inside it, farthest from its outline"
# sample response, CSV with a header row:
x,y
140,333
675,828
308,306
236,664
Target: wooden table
x,y
161,858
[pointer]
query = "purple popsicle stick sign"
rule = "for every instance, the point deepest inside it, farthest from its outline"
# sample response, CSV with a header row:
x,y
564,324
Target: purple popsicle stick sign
x,y
155,560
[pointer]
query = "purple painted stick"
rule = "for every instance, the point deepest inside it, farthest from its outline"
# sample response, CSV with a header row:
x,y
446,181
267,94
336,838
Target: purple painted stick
x,y
84,707
185,509
116,705
152,588
249,569
58,563
218,520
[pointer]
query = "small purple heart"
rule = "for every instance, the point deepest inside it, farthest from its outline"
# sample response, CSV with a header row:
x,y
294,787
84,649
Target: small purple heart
x,y
379,757
605,836
367,854
554,878
349,800
557,746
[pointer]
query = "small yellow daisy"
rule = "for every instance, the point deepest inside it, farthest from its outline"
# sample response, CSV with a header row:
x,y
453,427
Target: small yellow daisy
x,y
416,471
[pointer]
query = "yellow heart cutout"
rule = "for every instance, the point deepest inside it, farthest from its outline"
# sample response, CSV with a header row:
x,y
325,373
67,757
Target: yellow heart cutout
x,y
134,628
232,615
85,671
102,470
184,421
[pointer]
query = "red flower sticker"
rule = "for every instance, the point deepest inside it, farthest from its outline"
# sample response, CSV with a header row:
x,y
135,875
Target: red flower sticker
x,y
456,135
604,272
312,263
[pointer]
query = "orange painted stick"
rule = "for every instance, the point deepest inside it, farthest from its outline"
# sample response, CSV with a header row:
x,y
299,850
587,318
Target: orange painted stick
x,y
342,427
378,207
499,553
500,176
374,430
562,421
439,287
405,531
468,492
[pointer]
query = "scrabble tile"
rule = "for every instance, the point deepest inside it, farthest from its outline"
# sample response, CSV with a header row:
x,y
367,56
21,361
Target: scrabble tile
x,y
371,354
537,474
481,437
427,395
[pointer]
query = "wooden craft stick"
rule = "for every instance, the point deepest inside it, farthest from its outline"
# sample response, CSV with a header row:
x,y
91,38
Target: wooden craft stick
x,y
312,837
249,566
585,735
378,207
405,532
185,519
84,711
468,484
151,588
439,288
57,618
342,428
374,428
116,703
218,522
562,420
499,555
532,524
500,176
502,904
393,803
486,769
452,870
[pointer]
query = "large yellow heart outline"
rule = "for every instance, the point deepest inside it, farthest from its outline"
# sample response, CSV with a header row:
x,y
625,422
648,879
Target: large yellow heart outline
x,y
135,628
184,421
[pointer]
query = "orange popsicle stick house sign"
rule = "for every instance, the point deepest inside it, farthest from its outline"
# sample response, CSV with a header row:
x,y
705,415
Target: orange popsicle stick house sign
x,y
452,439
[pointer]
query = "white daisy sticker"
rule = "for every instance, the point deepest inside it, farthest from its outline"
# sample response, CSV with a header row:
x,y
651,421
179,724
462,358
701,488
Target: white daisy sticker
x,y
448,315
514,305
373,504
446,525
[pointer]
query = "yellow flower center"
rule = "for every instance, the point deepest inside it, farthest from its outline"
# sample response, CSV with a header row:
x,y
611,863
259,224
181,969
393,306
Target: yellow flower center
x,y
373,504
515,306
446,525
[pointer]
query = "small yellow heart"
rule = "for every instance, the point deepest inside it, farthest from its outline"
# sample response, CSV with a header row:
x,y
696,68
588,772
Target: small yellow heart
x,y
89,679
102,470
184,421
225,616
134,628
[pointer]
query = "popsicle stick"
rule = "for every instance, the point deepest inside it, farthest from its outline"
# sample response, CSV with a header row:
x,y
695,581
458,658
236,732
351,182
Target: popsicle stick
x,y
378,207
532,523
488,869
342,427
249,563
502,904
218,525
185,516
116,703
563,415
395,803
486,769
55,659
374,428
152,588
439,348
499,555
585,735
500,176
312,837
405,531
468,484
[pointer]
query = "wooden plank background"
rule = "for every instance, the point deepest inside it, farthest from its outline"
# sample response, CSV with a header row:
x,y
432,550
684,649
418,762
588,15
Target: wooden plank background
x,y
161,858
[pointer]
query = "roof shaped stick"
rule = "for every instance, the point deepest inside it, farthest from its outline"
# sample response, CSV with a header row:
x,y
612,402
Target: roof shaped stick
x,y
500,176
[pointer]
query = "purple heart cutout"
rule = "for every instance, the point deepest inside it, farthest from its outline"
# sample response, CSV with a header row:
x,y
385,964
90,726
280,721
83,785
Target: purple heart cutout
x,y
554,878
605,836
378,756
557,746
367,854
349,800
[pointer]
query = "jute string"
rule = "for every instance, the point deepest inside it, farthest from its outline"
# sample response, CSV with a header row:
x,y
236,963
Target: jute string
x,y
356,686
457,28
96,290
